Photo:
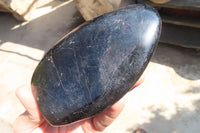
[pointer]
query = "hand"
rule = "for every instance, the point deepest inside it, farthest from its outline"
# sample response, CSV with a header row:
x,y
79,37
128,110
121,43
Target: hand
x,y
31,121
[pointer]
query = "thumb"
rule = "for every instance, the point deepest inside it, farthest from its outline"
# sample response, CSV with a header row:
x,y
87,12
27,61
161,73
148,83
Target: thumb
x,y
32,117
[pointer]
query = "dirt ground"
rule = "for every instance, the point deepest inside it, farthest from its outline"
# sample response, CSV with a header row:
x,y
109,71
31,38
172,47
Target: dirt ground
x,y
167,102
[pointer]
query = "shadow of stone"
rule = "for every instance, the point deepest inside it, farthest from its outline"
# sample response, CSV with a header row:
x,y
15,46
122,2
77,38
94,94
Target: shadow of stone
x,y
186,62
43,32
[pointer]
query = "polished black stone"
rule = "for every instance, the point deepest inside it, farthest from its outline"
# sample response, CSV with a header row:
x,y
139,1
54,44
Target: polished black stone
x,y
95,65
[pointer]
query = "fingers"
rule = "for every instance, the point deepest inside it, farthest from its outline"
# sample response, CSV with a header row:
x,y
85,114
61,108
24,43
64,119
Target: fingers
x,y
26,97
32,117
140,81
104,119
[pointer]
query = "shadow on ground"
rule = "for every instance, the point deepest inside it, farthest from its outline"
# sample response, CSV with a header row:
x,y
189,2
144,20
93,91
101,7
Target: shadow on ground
x,y
184,120
180,112
182,60
43,32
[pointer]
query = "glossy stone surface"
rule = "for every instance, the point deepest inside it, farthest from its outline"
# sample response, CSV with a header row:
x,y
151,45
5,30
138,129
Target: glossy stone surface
x,y
96,64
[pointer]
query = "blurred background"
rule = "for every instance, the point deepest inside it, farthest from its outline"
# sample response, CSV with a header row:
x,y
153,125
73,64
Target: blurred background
x,y
169,99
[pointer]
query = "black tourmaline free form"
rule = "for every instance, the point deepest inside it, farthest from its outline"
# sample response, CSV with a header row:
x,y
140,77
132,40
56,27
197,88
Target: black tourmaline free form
x,y
95,65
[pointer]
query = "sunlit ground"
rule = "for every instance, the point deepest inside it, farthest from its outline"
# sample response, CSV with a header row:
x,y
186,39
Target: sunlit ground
x,y
167,101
